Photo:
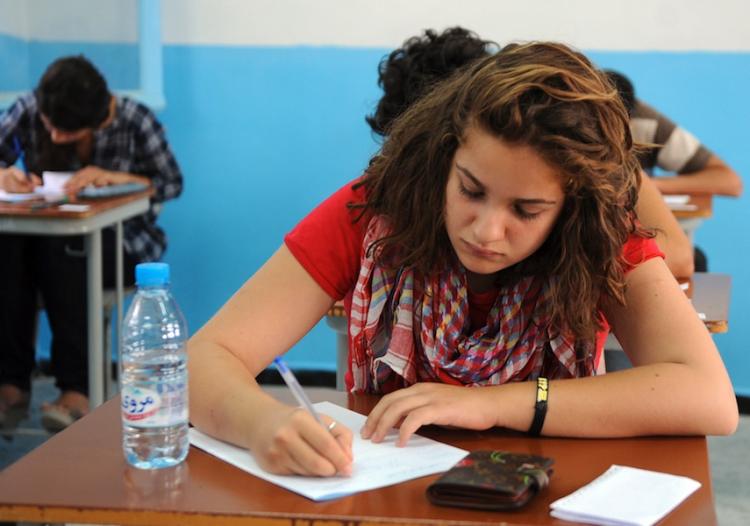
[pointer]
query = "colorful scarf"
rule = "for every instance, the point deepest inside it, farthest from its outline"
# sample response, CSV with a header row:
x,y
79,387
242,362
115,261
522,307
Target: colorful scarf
x,y
406,328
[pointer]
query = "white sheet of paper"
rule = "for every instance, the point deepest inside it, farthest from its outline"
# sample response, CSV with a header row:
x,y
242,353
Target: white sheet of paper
x,y
375,465
53,183
625,496
675,199
16,198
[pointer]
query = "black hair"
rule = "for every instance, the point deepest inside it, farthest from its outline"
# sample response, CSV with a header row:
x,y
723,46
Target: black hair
x,y
73,95
409,71
624,87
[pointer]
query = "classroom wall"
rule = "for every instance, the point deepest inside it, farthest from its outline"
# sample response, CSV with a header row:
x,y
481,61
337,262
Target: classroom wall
x,y
266,103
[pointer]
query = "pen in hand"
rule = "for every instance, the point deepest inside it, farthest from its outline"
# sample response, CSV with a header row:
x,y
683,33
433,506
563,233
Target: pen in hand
x,y
296,388
21,157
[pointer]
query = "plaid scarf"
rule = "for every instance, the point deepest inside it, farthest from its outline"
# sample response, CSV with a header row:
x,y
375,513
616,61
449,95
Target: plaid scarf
x,y
406,328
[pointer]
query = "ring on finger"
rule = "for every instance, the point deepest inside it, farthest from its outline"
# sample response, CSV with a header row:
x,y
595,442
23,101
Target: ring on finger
x,y
332,425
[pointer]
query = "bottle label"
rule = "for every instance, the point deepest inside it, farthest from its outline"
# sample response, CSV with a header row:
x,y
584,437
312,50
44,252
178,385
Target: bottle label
x,y
143,407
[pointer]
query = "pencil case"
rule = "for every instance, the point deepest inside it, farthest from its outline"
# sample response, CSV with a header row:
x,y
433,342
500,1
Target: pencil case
x,y
492,480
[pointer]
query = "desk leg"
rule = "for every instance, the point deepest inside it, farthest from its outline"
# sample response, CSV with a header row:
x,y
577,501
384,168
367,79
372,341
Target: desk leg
x,y
93,245
114,346
689,226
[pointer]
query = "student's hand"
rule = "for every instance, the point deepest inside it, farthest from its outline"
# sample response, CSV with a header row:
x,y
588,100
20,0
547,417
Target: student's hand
x,y
14,180
292,442
431,403
95,176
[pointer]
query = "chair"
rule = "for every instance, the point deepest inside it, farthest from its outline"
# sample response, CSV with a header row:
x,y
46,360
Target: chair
x,y
336,319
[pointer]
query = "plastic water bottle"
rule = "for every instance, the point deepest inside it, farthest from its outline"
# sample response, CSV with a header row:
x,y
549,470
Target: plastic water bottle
x,y
153,374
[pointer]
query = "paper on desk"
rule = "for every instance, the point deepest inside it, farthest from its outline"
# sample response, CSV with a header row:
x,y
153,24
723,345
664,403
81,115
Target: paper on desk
x,y
53,183
16,198
674,199
625,496
375,465
679,202
51,189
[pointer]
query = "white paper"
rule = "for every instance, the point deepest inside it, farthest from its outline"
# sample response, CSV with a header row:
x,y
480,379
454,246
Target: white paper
x,y
375,465
53,183
51,189
675,199
625,496
16,198
71,207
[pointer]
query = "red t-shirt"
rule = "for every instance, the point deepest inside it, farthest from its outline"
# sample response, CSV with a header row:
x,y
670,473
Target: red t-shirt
x,y
328,244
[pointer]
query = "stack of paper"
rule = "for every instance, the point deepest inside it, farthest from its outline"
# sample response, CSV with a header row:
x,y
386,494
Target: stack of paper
x,y
625,496
679,202
375,465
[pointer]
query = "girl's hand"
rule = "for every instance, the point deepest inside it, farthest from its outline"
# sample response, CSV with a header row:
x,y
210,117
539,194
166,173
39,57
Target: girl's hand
x,y
14,180
431,403
292,442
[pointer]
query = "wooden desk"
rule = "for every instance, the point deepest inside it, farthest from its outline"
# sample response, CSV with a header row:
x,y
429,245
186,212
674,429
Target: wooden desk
x,y
80,476
19,218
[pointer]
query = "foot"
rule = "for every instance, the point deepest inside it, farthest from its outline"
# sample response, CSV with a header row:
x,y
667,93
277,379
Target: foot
x,y
69,407
14,405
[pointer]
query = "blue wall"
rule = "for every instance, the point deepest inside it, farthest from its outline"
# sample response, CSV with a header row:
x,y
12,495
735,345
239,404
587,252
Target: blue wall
x,y
263,134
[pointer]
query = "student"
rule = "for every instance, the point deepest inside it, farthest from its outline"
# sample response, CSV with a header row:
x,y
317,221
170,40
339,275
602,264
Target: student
x,y
694,167
490,243
71,122
409,71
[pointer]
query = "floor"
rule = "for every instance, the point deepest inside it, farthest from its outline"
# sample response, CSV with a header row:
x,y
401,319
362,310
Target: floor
x,y
728,456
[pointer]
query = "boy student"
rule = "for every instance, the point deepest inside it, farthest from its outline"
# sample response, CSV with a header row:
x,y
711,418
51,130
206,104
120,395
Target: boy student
x,y
694,168
482,256
71,122
408,72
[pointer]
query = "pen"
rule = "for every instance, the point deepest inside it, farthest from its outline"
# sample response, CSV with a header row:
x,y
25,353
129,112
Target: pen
x,y
296,388
21,157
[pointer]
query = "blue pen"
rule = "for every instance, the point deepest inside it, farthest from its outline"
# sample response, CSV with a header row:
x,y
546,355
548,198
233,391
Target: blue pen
x,y
21,157
296,388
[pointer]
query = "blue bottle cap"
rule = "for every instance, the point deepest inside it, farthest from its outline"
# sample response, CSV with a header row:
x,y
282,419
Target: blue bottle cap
x,y
151,274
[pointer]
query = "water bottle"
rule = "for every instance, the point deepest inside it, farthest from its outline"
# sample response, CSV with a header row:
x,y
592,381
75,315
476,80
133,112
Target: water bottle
x,y
153,374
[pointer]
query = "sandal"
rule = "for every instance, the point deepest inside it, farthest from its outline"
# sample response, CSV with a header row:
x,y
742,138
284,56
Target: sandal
x,y
59,414
12,412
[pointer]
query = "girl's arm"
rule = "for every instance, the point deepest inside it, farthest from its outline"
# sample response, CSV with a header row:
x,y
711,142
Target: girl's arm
x,y
678,385
654,213
269,313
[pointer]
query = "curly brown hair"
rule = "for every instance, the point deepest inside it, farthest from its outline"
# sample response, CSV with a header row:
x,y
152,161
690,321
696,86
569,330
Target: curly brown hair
x,y
544,95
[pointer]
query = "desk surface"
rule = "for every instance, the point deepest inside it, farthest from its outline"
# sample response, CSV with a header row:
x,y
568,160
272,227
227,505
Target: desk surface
x,y
703,207
21,218
80,476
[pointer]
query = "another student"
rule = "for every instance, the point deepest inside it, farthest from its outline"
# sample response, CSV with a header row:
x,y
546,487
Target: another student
x,y
408,72
71,122
695,168
490,243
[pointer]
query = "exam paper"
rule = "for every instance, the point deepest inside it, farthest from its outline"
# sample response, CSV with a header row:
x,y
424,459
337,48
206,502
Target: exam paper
x,y
625,496
679,202
52,188
53,183
375,465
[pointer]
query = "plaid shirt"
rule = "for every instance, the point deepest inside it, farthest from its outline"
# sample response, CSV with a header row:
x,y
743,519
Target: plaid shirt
x,y
134,143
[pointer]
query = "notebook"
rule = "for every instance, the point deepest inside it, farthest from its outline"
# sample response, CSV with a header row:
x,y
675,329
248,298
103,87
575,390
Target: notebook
x,y
625,496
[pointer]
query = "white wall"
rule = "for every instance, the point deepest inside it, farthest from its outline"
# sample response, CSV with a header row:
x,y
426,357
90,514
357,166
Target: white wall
x,y
71,20
719,25
13,18
587,24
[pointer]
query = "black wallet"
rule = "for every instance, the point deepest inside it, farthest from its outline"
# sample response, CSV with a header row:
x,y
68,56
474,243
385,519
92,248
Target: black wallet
x,y
492,480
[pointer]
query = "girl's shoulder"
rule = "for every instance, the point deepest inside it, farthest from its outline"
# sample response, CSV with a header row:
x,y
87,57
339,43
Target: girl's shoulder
x,y
638,249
